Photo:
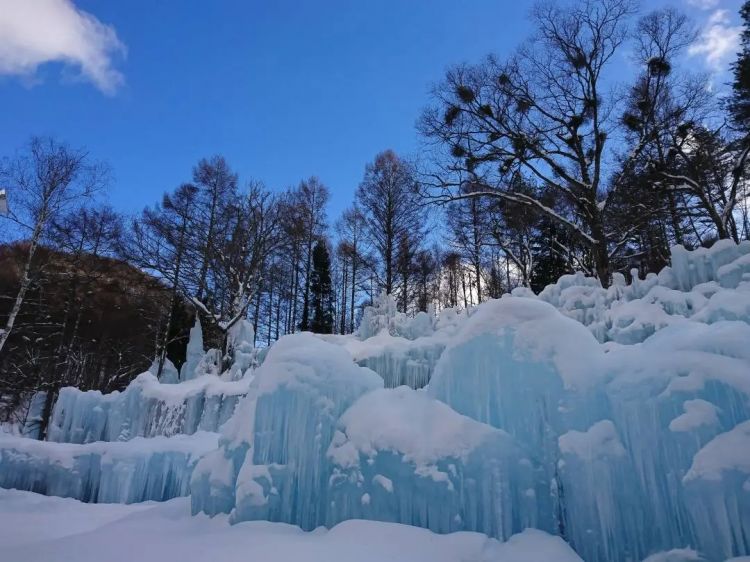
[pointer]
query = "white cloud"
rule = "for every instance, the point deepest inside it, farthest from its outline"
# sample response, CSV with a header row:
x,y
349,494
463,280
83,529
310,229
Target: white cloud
x,y
703,4
718,42
34,32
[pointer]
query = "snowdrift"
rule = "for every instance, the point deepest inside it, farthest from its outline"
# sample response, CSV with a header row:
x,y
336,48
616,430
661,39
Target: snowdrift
x,y
615,418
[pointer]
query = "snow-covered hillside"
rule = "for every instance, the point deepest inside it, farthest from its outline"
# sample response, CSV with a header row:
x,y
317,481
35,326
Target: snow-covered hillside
x,y
617,419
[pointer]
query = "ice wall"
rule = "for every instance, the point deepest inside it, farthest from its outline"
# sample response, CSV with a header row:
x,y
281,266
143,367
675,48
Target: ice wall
x,y
403,350
136,445
116,472
617,427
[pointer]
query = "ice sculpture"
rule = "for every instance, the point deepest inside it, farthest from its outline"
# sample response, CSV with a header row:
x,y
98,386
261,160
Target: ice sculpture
x,y
401,349
511,365
718,483
32,423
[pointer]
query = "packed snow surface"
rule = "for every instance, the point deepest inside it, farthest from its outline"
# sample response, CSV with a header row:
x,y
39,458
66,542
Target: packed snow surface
x,y
614,418
47,529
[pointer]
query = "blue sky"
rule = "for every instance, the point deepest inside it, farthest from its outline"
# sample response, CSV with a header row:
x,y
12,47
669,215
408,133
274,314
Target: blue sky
x,y
284,89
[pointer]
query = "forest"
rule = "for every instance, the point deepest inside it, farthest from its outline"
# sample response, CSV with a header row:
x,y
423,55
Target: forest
x,y
545,161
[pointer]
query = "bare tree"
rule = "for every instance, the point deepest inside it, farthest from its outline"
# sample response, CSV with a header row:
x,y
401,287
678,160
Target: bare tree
x,y
705,166
387,197
240,257
216,184
161,242
353,255
469,232
43,181
545,113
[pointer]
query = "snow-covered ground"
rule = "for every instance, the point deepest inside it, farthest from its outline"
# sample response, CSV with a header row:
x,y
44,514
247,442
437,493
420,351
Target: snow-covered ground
x,y
35,528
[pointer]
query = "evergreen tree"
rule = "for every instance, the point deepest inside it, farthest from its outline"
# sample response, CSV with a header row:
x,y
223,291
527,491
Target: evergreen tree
x,y
739,104
321,290
550,263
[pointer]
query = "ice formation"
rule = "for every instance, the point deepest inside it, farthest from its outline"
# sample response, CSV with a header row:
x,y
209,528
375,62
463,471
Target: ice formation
x,y
400,455
272,464
118,472
131,446
616,418
146,408
194,353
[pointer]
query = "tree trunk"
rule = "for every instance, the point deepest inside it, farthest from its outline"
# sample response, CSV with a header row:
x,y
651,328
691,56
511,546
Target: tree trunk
x,y
49,402
601,253
25,283
354,288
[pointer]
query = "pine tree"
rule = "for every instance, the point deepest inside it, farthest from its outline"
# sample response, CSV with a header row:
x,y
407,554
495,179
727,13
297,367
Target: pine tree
x,y
739,104
321,290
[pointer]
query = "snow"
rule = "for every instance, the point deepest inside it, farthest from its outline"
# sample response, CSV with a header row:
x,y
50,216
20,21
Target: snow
x,y
46,529
698,413
383,482
408,423
676,555
599,440
727,452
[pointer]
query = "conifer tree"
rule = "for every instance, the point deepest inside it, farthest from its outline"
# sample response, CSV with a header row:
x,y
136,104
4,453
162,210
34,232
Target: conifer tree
x,y
739,104
321,290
